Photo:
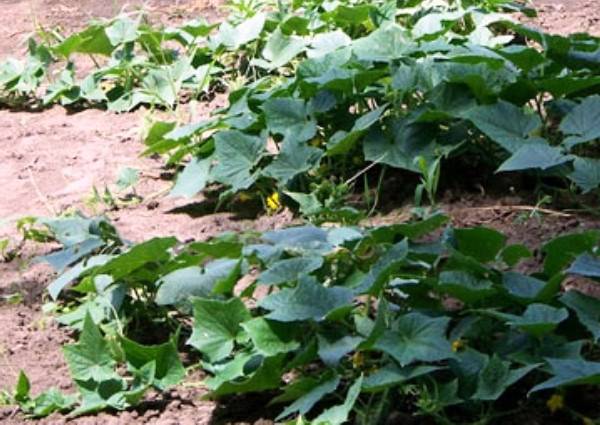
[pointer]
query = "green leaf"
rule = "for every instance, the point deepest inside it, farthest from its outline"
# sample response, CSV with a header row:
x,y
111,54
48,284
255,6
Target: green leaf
x,y
393,376
289,270
408,142
388,42
464,286
496,377
307,301
587,310
293,160
280,50
52,400
193,178
237,154
416,337
327,42
561,251
570,372
382,270
586,173
266,377
513,254
181,285
481,243
233,37
332,349
303,404
22,388
290,118
342,142
538,155
308,203
586,265
128,177
411,230
169,370
216,326
338,415
153,251
522,286
122,30
113,393
537,320
271,338
92,40
581,123
90,358
505,123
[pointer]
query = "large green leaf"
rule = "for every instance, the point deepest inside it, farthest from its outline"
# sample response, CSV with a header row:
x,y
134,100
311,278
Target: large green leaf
x,y
338,415
587,310
183,284
496,377
153,251
505,123
237,155
90,358
561,251
307,301
386,43
332,348
289,270
193,178
586,173
169,370
581,124
408,142
392,376
60,283
92,40
303,404
292,160
537,320
416,337
290,118
233,37
383,269
481,243
586,265
570,372
464,286
266,377
216,326
122,30
536,155
271,338
342,142
522,286
280,50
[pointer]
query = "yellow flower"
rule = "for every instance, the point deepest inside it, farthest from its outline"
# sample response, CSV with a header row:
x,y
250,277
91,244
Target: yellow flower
x,y
358,360
273,203
458,345
555,403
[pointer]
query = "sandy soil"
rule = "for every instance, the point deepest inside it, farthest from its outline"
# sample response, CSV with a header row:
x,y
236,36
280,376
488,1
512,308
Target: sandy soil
x,y
52,159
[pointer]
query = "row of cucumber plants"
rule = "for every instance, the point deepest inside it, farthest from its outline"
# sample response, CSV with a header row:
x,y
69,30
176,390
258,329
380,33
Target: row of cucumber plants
x,y
334,324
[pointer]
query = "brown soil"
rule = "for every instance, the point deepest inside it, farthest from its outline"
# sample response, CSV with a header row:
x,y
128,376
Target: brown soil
x,y
52,159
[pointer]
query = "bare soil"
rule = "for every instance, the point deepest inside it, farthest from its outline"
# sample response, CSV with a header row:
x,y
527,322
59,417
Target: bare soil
x,y
52,159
